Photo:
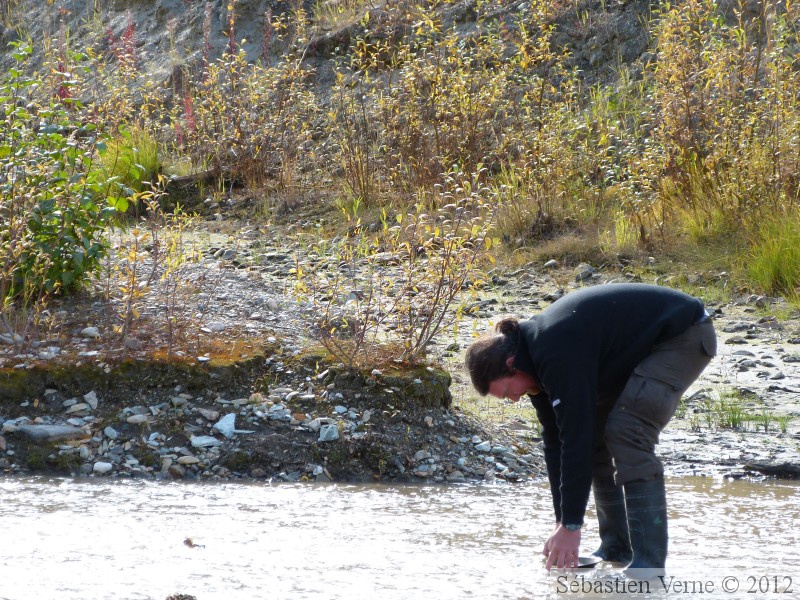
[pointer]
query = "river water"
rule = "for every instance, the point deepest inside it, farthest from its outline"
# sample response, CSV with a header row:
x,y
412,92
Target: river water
x,y
98,539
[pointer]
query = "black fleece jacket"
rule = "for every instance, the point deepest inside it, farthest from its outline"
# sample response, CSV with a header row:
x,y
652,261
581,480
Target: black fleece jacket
x,y
582,349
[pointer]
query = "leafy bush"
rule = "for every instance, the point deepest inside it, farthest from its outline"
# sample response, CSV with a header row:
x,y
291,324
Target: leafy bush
x,y
53,197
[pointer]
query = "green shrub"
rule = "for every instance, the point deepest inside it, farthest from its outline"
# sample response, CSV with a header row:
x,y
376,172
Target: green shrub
x,y
53,197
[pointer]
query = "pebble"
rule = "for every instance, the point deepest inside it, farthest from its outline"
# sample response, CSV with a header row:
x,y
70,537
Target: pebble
x,y
209,415
91,399
102,468
328,433
226,425
137,419
90,332
214,327
50,433
204,441
11,340
584,272
421,455
132,343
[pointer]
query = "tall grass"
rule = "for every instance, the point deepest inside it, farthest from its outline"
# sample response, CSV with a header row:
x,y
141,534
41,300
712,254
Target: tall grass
x,y
131,158
774,260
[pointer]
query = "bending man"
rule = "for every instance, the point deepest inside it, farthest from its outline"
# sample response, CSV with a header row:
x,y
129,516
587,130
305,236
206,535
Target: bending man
x,y
605,367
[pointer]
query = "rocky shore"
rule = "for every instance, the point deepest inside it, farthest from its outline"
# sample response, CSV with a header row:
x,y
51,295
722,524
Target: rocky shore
x,y
280,410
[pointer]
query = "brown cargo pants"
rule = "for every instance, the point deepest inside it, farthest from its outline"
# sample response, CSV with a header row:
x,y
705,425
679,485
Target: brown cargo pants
x,y
649,401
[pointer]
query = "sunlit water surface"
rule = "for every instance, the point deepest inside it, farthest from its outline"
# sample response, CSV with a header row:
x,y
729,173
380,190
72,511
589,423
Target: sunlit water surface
x,y
82,540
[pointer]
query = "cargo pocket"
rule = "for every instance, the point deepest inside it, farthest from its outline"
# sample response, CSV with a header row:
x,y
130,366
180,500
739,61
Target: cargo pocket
x,y
651,400
709,344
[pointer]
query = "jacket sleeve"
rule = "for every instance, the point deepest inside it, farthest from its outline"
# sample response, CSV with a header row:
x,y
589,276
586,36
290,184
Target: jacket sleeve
x,y
552,448
572,394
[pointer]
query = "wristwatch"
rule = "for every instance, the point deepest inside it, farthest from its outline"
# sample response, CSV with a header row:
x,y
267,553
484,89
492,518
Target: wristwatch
x,y
572,527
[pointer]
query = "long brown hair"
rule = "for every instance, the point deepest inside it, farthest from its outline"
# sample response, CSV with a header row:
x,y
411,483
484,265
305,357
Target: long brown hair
x,y
486,358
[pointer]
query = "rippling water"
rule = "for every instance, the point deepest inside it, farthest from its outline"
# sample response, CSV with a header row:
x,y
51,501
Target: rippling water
x,y
65,539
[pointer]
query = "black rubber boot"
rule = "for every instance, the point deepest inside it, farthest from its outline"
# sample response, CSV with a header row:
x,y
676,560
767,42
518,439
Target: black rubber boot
x,y
612,520
646,503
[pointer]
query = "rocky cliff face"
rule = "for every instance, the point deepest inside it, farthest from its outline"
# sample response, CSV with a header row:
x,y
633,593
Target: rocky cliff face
x,y
167,35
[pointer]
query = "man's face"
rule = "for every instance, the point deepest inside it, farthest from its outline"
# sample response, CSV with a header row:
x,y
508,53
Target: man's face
x,y
514,386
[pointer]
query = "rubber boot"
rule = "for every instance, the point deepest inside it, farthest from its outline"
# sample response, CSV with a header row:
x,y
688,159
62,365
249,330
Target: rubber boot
x,y
646,503
612,520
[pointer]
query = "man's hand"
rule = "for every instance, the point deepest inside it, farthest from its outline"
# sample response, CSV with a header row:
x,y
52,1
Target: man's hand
x,y
561,548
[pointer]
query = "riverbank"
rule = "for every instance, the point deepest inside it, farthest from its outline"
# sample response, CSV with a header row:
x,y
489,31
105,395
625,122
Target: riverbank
x,y
251,397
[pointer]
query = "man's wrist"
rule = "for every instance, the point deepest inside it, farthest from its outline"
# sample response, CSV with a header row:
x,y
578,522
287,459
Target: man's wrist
x,y
572,526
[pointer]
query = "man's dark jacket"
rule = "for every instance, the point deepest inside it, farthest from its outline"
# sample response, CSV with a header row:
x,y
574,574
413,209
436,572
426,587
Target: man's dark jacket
x,y
582,349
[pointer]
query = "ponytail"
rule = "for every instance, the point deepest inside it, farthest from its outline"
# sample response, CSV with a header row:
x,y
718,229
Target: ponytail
x,y
508,326
486,359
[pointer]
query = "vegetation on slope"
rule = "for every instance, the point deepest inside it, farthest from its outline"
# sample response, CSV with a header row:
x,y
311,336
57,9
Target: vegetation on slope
x,y
454,130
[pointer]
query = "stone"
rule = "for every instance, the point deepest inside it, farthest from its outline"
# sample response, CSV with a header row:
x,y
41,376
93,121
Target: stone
x,y
188,460
226,425
90,332
111,433
101,467
204,441
778,467
584,272
52,433
279,412
483,447
91,399
137,419
132,343
209,415
178,401
421,455
215,327
328,433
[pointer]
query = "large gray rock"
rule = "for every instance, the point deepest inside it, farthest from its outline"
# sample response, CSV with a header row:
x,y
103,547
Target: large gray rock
x,y
52,433
781,467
